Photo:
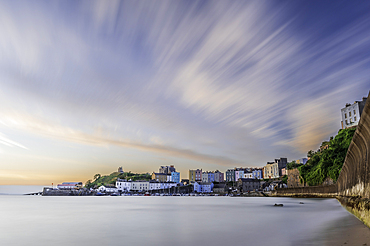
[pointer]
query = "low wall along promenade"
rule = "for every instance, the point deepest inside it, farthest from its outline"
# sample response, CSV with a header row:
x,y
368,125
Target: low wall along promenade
x,y
353,186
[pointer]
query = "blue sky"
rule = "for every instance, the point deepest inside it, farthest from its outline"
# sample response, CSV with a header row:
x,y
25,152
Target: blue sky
x,y
87,86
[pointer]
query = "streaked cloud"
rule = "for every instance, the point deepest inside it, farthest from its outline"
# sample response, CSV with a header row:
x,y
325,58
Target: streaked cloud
x,y
222,83
7,142
68,134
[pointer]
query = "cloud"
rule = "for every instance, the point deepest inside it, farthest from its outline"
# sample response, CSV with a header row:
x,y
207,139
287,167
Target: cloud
x,y
7,142
105,14
250,72
34,125
313,121
243,76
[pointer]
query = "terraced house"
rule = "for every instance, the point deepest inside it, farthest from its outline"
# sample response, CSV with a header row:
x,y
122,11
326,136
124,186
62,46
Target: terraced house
x,y
230,175
271,170
195,175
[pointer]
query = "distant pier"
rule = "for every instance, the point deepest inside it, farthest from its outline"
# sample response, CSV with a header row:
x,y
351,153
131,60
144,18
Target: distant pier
x,y
34,194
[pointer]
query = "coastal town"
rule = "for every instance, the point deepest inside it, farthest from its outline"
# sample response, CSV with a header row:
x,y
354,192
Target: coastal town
x,y
236,122
167,181
238,181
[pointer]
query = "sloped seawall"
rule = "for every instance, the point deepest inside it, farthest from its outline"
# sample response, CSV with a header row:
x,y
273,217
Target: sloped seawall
x,y
352,188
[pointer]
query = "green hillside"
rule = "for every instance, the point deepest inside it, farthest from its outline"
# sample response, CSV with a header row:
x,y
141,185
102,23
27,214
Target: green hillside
x,y
328,162
99,180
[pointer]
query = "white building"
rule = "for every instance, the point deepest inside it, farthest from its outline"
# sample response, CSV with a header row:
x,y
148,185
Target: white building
x,y
123,185
155,185
239,173
108,189
126,186
167,185
140,185
248,175
205,177
351,113
70,185
271,170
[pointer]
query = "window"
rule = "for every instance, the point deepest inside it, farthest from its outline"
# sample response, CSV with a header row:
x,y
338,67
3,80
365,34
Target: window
x,y
349,113
345,116
346,122
355,118
354,112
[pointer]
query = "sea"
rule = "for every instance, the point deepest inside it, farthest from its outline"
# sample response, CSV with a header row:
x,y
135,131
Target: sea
x,y
168,221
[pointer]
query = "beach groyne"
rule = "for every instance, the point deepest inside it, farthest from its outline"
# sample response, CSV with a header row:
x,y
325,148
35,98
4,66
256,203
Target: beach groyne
x,y
352,188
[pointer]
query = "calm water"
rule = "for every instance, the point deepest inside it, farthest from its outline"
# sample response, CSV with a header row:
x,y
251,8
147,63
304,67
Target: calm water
x,y
20,189
36,220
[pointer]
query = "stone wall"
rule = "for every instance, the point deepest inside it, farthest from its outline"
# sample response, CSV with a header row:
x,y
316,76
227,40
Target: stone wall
x,y
293,178
354,179
47,191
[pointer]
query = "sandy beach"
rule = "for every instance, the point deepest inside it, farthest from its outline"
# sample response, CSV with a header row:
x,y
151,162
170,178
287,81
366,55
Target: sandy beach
x,y
357,233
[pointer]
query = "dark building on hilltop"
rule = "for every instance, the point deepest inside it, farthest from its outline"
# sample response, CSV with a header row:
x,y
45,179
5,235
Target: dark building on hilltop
x,y
282,162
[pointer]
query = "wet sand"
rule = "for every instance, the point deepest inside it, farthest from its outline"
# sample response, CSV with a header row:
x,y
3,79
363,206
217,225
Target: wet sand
x,y
348,232
356,235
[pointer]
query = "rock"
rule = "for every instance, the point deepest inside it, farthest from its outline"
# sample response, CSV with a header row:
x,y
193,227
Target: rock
x,y
278,205
301,203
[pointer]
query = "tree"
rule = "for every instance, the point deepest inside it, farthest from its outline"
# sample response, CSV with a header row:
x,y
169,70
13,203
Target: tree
x,y
310,153
293,164
88,184
97,176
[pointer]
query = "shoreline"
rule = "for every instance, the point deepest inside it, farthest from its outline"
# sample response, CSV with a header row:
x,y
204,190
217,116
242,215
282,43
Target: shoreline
x,y
347,233
358,234
357,206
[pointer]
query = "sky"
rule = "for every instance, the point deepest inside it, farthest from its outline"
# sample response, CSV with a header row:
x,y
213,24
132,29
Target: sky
x,y
88,86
